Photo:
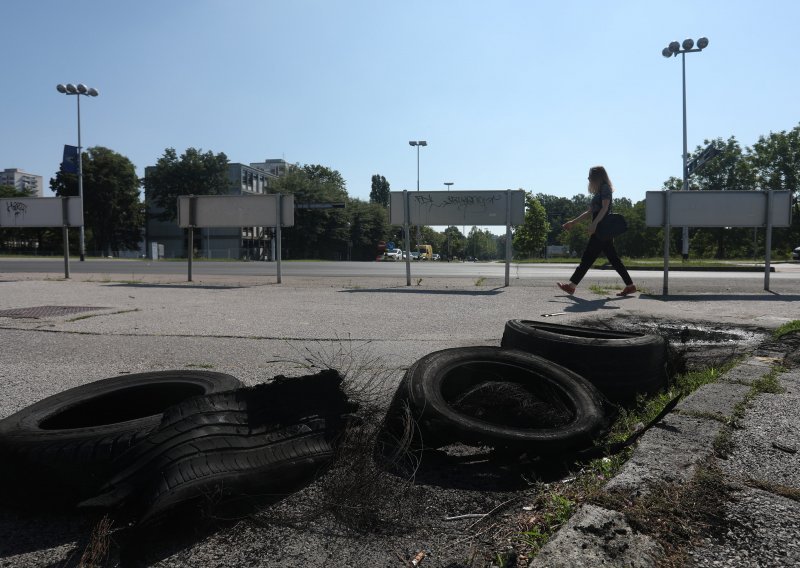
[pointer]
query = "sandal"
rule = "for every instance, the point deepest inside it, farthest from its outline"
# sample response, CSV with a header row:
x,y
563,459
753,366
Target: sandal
x,y
568,288
630,289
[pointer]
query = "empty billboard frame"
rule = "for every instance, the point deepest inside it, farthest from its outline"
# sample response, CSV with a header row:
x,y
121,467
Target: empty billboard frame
x,y
735,208
262,210
478,207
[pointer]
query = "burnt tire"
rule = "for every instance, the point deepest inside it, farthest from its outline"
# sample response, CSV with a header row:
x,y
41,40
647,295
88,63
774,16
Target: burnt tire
x,y
63,445
230,450
621,364
429,407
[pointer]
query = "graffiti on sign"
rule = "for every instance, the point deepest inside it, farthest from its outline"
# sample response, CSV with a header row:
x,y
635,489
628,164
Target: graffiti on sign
x,y
460,202
458,207
16,210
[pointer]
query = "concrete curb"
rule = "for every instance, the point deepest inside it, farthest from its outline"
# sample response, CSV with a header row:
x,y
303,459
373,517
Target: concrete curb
x,y
669,452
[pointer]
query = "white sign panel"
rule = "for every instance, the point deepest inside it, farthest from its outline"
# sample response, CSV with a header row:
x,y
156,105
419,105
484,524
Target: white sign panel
x,y
235,210
458,207
40,212
718,208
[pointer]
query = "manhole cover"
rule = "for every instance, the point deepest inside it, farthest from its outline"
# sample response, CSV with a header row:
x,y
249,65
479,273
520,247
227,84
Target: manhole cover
x,y
46,311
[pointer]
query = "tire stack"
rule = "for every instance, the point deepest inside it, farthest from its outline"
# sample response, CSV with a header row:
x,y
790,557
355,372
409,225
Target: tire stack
x,y
148,444
548,390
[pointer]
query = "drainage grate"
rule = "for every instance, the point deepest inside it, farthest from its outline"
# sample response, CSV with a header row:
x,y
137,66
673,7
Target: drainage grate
x,y
46,311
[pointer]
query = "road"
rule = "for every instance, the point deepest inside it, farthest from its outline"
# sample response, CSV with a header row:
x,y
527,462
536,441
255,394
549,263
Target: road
x,y
136,269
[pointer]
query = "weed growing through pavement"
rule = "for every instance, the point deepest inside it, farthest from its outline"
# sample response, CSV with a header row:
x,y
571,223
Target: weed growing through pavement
x,y
677,515
556,510
769,383
600,290
789,327
792,493
97,550
480,281
355,491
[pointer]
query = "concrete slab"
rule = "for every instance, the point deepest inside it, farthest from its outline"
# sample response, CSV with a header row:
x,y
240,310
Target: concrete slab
x,y
715,400
668,452
598,537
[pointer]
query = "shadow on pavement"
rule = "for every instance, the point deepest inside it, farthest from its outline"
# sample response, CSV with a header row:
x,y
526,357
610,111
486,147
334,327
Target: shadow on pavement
x,y
764,297
492,292
580,305
179,286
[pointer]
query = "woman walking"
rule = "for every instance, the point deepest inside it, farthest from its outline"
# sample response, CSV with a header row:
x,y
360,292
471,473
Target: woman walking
x,y
601,189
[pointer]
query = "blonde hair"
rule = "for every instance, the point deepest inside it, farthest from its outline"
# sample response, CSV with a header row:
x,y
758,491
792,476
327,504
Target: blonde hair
x,y
598,176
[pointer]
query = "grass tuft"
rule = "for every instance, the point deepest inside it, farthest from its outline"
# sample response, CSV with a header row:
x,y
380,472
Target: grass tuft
x,y
787,328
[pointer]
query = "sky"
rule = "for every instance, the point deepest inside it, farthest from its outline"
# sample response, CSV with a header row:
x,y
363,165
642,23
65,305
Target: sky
x,y
507,94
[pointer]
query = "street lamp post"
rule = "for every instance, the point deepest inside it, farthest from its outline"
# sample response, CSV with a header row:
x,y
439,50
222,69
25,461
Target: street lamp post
x,y
672,50
80,89
418,143
448,184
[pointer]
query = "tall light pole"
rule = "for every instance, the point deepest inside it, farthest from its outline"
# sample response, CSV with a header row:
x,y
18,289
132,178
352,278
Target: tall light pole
x,y
672,50
418,143
80,89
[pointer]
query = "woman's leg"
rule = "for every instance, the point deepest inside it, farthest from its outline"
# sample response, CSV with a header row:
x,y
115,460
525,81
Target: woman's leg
x,y
616,262
593,249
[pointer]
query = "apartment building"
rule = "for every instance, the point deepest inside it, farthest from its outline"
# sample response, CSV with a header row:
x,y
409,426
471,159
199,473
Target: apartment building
x,y
23,181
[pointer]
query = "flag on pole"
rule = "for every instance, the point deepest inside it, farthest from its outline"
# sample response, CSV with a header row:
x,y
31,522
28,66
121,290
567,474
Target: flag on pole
x,y
70,163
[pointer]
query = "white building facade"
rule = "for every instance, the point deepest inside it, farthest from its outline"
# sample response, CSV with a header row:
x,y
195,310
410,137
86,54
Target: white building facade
x,y
23,181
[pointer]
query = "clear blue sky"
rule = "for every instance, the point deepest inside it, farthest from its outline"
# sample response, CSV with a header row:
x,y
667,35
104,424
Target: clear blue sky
x,y
508,94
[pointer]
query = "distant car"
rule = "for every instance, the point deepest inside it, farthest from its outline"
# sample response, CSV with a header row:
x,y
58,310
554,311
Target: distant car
x,y
435,256
796,254
393,254
414,255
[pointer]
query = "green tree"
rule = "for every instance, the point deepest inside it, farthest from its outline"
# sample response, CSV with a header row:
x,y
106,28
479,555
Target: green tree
x,y
113,214
368,224
531,237
639,240
481,244
560,210
776,165
380,191
317,233
454,243
194,173
11,191
728,171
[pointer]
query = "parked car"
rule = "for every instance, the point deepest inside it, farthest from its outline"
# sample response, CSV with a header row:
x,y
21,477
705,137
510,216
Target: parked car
x,y
414,255
393,254
435,256
796,254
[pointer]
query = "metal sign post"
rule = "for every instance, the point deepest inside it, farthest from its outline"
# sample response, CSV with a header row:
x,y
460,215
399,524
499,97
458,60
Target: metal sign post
x,y
406,230
508,235
65,213
278,236
768,237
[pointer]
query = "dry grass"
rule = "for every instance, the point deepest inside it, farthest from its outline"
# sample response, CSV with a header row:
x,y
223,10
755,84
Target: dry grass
x,y
97,550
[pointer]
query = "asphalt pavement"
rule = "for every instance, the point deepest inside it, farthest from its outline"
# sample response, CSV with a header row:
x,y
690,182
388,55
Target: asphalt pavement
x,y
61,333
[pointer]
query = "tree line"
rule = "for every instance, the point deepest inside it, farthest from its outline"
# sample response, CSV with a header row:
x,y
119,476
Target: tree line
x,y
115,216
